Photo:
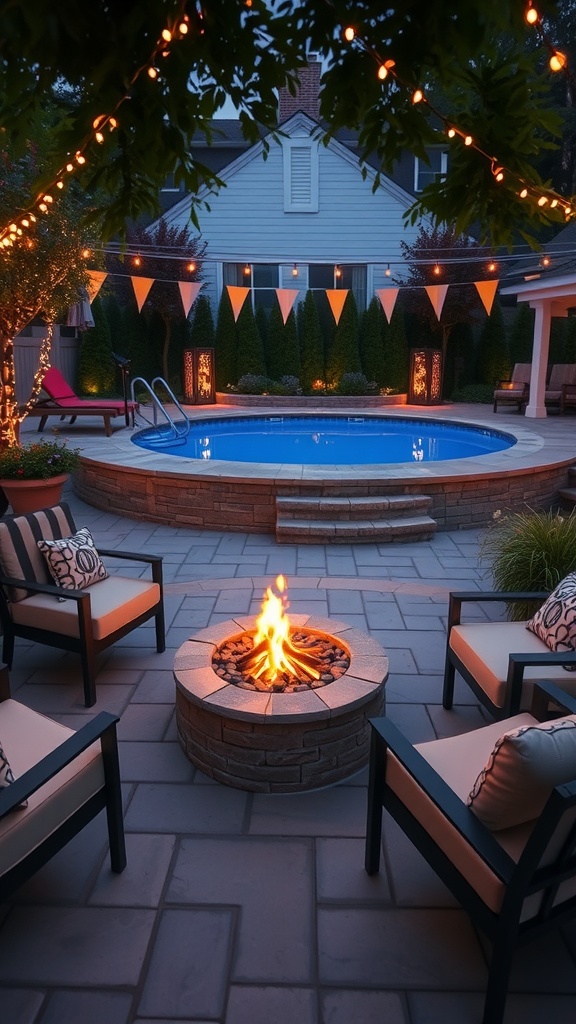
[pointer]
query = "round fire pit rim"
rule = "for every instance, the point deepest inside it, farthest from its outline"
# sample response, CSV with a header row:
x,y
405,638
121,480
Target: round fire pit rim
x,y
365,676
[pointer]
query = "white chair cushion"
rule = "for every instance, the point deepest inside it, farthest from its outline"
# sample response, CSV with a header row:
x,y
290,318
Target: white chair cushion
x,y
484,648
73,562
28,737
555,620
521,772
458,760
114,602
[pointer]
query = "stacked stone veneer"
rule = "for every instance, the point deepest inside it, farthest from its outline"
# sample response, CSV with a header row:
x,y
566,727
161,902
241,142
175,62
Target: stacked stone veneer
x,y
248,504
278,742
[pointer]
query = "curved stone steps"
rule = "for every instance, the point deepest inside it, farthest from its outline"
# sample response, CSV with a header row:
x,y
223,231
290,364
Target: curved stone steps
x,y
372,519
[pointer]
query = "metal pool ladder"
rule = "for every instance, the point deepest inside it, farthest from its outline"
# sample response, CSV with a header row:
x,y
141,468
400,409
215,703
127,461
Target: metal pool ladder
x,y
177,431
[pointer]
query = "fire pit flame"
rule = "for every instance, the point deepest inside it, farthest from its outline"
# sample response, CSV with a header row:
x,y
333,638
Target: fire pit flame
x,y
273,652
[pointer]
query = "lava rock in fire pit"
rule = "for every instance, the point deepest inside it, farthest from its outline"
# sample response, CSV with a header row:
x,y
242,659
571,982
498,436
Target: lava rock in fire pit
x,y
231,662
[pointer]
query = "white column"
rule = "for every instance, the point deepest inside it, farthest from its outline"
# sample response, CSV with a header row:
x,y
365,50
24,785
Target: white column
x,y
536,408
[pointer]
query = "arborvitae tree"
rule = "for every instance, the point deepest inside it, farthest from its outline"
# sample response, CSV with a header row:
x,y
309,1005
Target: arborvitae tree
x,y
250,357
521,337
225,354
344,356
283,348
181,340
113,314
262,325
493,362
396,354
372,328
155,333
311,343
202,322
96,370
461,360
135,332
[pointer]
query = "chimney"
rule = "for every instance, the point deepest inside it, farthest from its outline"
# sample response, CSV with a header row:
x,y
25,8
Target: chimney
x,y
307,96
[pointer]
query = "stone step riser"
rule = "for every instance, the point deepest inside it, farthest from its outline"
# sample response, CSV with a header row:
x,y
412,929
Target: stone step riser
x,y
350,508
345,532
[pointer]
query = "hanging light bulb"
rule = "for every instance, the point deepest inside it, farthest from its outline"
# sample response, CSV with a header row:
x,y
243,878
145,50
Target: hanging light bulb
x,y
451,133
417,96
558,61
436,270
153,72
337,271
247,270
388,271
491,267
531,15
468,140
349,33
137,261
191,268
523,193
294,271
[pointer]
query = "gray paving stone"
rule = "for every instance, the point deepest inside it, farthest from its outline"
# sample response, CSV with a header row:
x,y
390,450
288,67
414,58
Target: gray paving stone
x,y
184,808
399,949
414,882
328,812
250,1005
75,946
412,720
90,1007
414,689
187,973
340,873
143,879
156,687
344,1006
145,721
159,762
274,936
67,877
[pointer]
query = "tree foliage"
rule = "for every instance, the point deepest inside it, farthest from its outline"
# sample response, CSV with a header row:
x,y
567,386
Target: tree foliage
x,y
246,52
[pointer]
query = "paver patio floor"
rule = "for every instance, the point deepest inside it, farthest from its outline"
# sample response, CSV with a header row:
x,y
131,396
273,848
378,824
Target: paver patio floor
x,y
246,908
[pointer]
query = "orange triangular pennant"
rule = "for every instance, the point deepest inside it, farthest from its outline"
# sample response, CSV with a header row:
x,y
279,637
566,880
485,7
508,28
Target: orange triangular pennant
x,y
141,286
237,298
337,298
97,278
188,292
487,290
286,299
437,293
388,298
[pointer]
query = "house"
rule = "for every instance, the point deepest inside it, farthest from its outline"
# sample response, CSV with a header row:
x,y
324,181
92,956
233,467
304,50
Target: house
x,y
296,213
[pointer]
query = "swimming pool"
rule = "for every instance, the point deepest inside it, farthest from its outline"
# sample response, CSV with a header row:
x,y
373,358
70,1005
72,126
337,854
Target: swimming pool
x,y
322,440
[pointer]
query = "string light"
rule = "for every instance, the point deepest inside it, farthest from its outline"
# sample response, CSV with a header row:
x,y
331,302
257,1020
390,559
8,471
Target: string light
x,y
247,270
436,270
337,271
531,15
191,268
137,261
388,271
295,271
558,61
349,34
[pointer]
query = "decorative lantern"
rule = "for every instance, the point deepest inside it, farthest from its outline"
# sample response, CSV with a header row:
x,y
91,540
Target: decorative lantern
x,y
425,376
199,376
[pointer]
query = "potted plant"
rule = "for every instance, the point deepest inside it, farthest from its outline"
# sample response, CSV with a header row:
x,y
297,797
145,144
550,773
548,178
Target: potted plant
x,y
32,476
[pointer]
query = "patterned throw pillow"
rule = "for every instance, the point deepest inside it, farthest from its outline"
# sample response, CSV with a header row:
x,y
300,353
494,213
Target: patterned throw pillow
x,y
7,777
555,620
73,562
521,772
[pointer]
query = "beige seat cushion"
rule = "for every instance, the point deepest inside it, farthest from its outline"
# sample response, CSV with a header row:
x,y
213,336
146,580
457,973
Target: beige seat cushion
x,y
27,737
115,601
458,760
484,648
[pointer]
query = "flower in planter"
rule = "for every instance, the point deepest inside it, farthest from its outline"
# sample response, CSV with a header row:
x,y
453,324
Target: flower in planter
x,y
38,461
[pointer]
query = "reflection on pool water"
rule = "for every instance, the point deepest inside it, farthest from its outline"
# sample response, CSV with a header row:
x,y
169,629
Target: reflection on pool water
x,y
325,440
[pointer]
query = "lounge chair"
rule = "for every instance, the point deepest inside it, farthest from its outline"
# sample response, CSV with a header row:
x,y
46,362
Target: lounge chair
x,y
63,401
514,391
561,387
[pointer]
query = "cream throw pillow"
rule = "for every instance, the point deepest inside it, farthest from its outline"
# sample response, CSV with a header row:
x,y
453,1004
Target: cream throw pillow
x,y
73,562
521,772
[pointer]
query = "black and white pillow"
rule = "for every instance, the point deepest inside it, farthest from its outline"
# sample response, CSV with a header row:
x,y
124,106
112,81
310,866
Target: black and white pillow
x,y
7,776
555,620
73,562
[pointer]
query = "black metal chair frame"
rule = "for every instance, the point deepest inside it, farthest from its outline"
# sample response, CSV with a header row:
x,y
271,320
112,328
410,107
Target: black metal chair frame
x,y
85,644
517,661
504,929
108,798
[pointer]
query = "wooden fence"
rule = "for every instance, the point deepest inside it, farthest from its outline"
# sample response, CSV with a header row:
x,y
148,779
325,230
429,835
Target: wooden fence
x,y
64,355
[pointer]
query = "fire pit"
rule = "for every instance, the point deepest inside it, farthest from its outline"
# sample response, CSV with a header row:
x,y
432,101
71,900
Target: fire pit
x,y
271,704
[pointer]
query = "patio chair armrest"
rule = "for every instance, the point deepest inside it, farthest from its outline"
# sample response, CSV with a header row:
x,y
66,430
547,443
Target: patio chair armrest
x,y
102,727
458,598
44,588
439,792
546,692
132,556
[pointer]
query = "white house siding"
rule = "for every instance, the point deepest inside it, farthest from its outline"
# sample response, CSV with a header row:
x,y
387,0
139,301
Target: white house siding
x,y
247,222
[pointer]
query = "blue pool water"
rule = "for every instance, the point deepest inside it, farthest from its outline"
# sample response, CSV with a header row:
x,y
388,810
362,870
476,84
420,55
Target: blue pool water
x,y
325,440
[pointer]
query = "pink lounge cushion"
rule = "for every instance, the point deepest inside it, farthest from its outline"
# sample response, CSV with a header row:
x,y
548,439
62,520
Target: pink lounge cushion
x,y
73,562
555,620
526,763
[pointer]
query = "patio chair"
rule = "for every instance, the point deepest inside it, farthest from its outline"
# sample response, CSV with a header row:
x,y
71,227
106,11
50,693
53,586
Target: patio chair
x,y
561,386
87,610
515,391
61,780
499,660
494,817
63,401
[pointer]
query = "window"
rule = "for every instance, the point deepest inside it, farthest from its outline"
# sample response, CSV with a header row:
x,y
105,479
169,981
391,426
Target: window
x,y
346,275
427,173
300,176
261,278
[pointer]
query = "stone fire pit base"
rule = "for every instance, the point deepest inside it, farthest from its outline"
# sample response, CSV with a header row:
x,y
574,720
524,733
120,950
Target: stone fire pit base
x,y
278,742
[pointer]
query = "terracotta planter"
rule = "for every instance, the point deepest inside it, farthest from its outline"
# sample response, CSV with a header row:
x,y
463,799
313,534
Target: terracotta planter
x,y
32,495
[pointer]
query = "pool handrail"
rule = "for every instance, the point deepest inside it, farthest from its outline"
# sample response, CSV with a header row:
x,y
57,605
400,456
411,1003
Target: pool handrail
x,y
177,432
